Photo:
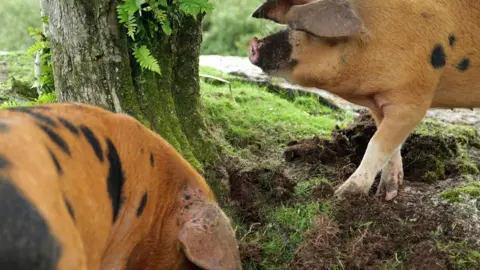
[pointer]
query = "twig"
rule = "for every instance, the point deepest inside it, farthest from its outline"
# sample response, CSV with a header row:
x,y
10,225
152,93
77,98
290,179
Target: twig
x,y
220,80
249,231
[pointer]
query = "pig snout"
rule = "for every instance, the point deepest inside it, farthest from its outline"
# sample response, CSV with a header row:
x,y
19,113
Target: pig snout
x,y
272,53
253,54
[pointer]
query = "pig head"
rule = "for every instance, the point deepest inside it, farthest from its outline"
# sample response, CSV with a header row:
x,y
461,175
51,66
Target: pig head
x,y
306,53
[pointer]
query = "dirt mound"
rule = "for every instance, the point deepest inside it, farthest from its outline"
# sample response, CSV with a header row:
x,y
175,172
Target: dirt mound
x,y
252,188
251,252
369,234
426,158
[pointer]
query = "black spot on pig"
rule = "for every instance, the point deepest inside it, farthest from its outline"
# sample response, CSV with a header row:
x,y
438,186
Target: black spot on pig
x,y
438,58
463,64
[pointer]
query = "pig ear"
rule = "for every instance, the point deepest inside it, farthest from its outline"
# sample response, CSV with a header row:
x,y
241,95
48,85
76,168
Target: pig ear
x,y
325,18
208,239
275,10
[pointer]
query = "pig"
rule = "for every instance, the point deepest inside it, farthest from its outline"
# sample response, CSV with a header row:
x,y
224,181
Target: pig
x,y
398,58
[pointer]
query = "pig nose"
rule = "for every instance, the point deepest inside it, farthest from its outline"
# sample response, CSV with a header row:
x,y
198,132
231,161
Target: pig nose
x,y
253,54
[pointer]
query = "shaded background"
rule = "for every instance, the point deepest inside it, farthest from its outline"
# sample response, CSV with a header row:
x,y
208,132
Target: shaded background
x,y
227,31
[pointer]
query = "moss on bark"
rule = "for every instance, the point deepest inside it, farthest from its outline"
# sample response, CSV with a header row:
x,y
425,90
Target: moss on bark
x,y
94,64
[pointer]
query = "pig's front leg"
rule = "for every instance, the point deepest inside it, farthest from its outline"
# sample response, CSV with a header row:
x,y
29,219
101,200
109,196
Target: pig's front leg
x,y
392,173
400,116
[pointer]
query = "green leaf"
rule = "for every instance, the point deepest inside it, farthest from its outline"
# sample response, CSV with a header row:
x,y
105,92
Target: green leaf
x,y
132,6
36,33
167,29
163,3
139,3
195,7
126,15
45,19
145,59
37,46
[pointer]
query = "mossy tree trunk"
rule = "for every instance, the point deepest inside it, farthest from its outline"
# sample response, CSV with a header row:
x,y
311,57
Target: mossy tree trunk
x,y
93,63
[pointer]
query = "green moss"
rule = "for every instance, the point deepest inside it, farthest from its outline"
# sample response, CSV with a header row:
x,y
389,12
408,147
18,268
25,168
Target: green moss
x,y
438,150
453,195
465,134
437,173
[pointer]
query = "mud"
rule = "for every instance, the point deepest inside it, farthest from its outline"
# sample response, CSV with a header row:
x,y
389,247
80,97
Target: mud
x,y
426,158
251,189
416,232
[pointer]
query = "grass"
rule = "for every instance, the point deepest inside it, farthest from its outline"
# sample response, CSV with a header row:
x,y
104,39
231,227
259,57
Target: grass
x,y
17,66
286,229
282,234
43,99
464,133
258,117
461,255
15,18
303,189
455,194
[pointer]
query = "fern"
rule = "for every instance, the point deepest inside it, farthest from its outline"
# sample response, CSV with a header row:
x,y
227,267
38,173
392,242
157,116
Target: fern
x,y
145,59
195,7
126,15
130,14
37,46
42,45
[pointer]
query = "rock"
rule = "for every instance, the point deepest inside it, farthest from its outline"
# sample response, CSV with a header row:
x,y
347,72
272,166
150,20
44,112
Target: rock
x,y
457,116
241,67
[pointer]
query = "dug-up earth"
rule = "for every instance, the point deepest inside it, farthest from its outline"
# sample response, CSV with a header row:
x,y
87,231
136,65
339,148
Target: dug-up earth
x,y
434,223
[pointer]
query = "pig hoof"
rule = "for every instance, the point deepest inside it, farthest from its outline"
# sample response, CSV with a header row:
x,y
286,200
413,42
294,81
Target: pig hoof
x,y
349,187
390,181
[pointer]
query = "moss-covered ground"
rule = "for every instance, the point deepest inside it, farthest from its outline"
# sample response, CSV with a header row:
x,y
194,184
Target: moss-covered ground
x,y
281,159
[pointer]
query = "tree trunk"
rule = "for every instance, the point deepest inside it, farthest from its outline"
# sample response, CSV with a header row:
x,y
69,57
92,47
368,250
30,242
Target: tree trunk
x,y
93,63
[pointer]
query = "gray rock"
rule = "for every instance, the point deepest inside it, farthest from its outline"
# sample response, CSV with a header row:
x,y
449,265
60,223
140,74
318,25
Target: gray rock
x,y
241,66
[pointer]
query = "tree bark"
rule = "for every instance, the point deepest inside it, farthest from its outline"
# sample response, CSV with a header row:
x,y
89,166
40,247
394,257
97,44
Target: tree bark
x,y
93,63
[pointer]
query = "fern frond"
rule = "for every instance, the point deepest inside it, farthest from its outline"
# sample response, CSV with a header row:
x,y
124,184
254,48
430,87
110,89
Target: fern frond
x,y
195,7
164,12
145,59
45,19
37,46
167,29
126,15
160,15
